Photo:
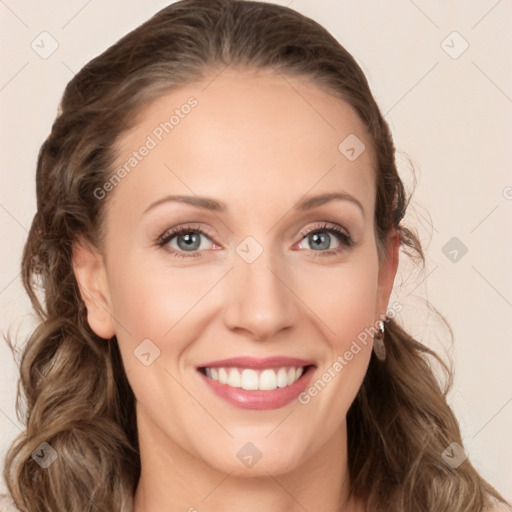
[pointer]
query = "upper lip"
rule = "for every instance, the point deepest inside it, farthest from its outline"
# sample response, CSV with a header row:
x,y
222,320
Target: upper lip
x,y
253,362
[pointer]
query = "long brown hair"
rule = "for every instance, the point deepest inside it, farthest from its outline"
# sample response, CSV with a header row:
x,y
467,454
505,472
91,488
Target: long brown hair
x,y
73,391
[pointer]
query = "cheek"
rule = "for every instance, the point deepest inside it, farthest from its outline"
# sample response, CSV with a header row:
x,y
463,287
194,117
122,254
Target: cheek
x,y
343,297
151,300
353,314
344,300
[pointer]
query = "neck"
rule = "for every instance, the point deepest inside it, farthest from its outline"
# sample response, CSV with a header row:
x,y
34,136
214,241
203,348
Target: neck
x,y
173,480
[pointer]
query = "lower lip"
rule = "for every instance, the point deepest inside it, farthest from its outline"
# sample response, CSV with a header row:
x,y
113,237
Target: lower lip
x,y
257,399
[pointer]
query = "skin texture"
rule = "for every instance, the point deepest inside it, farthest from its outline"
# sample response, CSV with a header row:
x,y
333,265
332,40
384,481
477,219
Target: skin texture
x,y
258,142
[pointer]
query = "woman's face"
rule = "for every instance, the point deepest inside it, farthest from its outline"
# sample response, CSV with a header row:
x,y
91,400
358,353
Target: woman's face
x,y
261,288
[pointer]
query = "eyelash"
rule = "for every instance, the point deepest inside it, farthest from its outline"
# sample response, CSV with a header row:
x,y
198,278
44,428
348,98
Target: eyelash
x,y
344,238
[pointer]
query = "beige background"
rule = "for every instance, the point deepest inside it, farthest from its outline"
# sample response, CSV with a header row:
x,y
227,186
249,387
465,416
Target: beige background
x,y
450,114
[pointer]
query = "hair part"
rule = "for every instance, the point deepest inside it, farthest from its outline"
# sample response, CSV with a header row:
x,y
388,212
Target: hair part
x,y
77,397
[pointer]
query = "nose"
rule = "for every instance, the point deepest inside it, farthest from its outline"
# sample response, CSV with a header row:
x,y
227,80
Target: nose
x,y
261,302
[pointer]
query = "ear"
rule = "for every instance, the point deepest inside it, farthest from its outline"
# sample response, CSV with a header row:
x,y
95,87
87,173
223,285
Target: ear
x,y
387,272
90,274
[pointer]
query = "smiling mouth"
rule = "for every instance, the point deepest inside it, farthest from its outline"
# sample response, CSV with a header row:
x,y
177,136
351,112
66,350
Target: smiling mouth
x,y
266,379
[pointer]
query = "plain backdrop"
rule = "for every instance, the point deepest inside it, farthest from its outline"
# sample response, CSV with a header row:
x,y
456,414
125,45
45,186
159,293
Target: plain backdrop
x,y
440,71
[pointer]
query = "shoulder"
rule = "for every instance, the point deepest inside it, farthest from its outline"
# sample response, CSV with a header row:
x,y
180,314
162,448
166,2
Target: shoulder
x,y
6,504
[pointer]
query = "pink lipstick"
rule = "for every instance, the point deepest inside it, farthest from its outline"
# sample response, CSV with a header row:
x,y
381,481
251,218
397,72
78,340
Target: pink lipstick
x,y
260,384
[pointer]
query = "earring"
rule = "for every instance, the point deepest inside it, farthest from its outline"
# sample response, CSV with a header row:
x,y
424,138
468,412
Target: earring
x,y
379,348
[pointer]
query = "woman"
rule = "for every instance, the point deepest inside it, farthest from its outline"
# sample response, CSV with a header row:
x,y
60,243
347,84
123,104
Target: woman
x,y
217,234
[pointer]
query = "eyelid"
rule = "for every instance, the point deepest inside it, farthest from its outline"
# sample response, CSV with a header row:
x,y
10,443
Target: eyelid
x,y
346,240
344,236
326,225
187,227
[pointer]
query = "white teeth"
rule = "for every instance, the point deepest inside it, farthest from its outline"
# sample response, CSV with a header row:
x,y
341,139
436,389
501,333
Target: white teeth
x,y
234,379
268,380
223,376
250,379
282,378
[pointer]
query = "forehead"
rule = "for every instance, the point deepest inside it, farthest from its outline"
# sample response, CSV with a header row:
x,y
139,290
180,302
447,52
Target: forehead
x,y
242,135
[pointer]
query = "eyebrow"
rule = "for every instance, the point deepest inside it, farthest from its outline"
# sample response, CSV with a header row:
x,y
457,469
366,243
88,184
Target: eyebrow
x,y
208,203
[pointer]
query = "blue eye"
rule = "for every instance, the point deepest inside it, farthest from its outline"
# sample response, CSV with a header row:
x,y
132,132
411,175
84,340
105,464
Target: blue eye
x,y
319,238
186,238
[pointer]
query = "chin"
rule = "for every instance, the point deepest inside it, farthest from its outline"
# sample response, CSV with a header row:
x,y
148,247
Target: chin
x,y
256,459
